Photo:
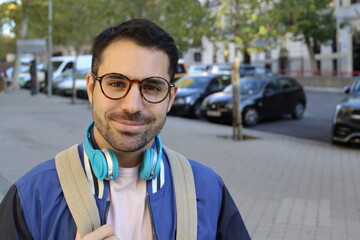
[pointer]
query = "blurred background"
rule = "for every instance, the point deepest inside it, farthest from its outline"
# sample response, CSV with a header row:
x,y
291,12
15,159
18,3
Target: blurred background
x,y
293,47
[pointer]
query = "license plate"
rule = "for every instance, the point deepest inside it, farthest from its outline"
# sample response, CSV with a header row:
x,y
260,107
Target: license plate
x,y
213,113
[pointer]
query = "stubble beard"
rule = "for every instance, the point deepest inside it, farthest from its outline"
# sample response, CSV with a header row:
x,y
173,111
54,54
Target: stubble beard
x,y
127,141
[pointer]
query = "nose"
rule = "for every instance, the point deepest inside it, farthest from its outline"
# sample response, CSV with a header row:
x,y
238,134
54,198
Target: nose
x,y
133,101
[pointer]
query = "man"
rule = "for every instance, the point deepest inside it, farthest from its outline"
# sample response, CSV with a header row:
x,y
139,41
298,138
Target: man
x,y
131,92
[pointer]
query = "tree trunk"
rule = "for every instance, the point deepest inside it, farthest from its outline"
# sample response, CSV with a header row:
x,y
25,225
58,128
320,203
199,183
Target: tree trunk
x,y
247,57
73,95
214,52
236,114
23,34
311,55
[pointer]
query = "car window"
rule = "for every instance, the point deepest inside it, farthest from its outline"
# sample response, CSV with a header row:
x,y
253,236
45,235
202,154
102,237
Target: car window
x,y
215,85
56,64
356,87
224,68
260,71
225,80
180,68
248,86
286,83
68,66
272,86
192,82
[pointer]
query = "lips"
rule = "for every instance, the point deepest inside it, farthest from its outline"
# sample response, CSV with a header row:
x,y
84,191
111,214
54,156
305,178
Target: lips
x,y
131,123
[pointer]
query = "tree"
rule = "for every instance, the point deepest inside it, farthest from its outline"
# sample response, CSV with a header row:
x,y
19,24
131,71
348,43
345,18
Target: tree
x,y
75,23
309,21
243,22
186,20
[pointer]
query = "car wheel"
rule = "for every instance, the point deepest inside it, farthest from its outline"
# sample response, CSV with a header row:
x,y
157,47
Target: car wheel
x,y
298,111
196,110
250,117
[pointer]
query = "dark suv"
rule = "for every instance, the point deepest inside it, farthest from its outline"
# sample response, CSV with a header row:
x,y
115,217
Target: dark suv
x,y
346,120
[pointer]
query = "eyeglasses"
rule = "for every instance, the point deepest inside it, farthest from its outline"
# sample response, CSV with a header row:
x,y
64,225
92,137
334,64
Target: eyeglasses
x,y
116,86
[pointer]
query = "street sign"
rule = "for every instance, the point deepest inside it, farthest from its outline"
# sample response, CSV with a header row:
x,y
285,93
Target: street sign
x,y
31,45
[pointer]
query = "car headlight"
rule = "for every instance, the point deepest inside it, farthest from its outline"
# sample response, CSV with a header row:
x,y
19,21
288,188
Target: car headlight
x,y
341,113
189,99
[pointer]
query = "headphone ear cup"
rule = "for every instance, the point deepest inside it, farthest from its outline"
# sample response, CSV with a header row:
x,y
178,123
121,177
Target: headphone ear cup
x,y
146,164
99,164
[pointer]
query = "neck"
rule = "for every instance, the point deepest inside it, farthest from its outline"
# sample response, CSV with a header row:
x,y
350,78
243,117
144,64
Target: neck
x,y
129,159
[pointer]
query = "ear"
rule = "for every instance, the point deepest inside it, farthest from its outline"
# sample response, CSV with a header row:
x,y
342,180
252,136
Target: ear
x,y
172,95
90,84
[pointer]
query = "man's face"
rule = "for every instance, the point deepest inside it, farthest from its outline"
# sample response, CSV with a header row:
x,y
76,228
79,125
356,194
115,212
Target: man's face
x,y
131,123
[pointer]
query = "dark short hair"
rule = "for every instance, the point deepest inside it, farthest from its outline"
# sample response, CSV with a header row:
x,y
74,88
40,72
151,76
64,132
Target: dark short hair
x,y
144,33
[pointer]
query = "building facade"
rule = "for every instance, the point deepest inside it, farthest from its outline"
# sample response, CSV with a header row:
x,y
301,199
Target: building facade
x,y
339,57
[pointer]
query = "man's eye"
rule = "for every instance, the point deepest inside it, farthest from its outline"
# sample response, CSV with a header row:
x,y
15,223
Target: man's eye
x,y
116,83
152,87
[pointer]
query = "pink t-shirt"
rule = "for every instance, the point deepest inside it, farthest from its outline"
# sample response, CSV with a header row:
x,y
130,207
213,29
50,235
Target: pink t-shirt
x,y
129,214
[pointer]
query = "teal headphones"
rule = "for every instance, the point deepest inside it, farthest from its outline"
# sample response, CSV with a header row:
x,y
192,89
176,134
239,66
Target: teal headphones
x,y
105,163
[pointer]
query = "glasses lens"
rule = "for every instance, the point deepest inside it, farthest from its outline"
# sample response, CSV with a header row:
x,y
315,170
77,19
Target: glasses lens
x,y
115,85
154,89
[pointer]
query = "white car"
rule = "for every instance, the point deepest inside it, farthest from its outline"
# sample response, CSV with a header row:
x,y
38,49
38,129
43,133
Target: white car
x,y
25,76
65,86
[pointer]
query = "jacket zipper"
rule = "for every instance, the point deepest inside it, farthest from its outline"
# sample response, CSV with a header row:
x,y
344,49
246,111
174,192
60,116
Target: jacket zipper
x,y
151,218
106,211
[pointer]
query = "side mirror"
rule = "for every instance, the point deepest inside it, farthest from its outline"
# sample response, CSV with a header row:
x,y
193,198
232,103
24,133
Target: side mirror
x,y
346,89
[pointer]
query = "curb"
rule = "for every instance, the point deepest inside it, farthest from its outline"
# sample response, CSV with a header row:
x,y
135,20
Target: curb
x,y
324,89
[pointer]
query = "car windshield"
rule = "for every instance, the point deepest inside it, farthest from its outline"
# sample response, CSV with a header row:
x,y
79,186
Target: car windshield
x,y
80,73
192,82
56,64
224,68
180,68
357,86
248,86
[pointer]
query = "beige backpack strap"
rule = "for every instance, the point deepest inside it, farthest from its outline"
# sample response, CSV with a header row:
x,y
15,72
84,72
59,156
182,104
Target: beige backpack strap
x,y
185,195
78,196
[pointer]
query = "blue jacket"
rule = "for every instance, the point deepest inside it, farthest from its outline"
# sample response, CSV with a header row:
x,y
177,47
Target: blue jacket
x,y
35,208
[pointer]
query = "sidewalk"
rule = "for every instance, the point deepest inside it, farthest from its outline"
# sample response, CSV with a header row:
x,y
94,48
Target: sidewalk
x,y
286,188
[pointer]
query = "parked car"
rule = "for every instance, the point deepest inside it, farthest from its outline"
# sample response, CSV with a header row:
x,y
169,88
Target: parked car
x,y
253,70
193,69
261,97
346,119
181,70
193,89
219,69
62,63
25,76
64,84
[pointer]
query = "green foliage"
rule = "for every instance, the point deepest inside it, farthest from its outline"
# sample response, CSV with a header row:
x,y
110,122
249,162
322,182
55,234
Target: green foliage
x,y
305,19
186,20
76,23
244,22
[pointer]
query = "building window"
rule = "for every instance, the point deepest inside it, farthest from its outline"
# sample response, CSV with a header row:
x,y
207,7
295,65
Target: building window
x,y
317,48
318,66
355,1
267,54
335,67
334,44
197,56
